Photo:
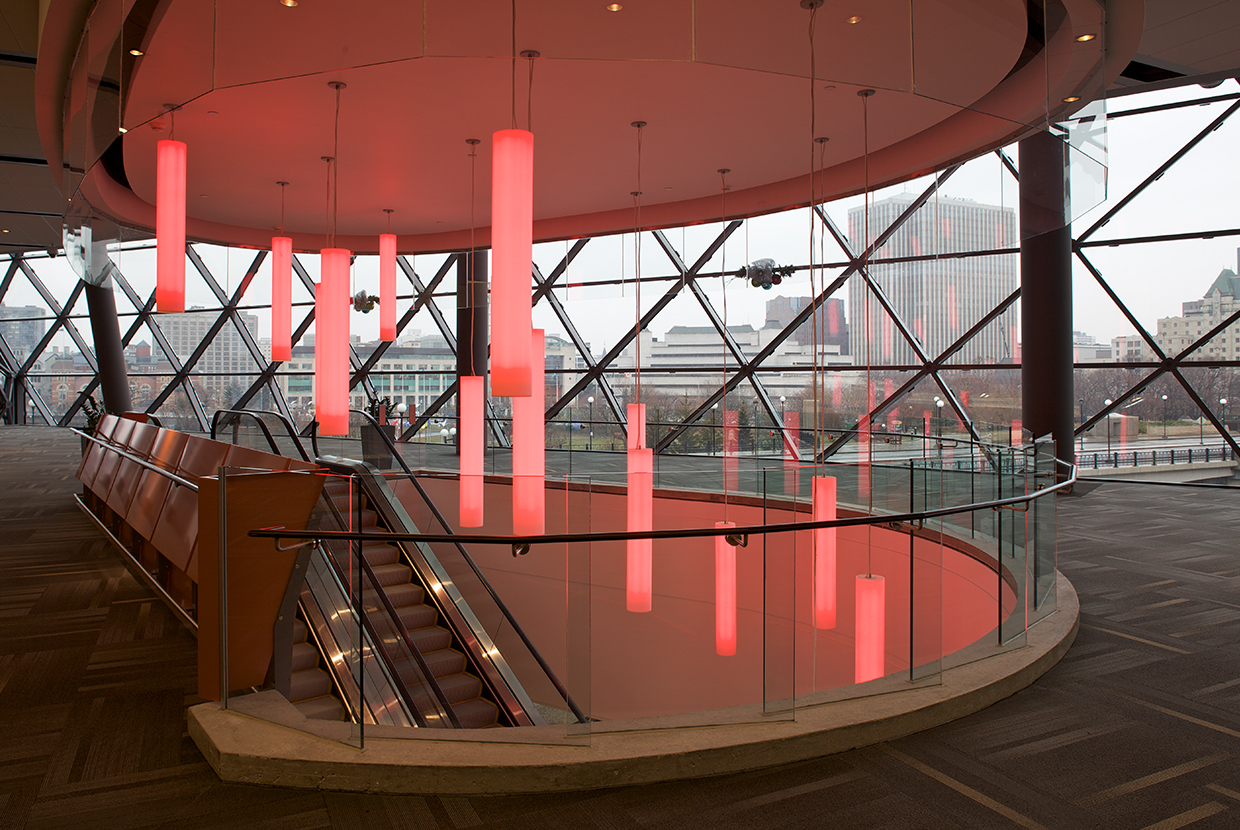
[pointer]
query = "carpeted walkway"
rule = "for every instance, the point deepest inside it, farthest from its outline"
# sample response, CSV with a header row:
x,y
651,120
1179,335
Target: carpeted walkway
x,y
1138,727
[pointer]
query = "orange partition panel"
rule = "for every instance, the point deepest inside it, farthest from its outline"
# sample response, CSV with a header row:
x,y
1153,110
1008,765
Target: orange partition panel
x,y
153,488
111,462
258,573
141,442
90,461
177,528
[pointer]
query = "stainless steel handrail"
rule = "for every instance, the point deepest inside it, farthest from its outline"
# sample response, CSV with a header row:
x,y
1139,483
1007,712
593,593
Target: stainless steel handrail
x,y
687,533
271,441
184,482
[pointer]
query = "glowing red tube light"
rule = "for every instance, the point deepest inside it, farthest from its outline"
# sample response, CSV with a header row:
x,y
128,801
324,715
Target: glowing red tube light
x,y
640,502
871,637
529,446
512,229
725,594
281,298
387,286
824,553
471,438
170,226
331,343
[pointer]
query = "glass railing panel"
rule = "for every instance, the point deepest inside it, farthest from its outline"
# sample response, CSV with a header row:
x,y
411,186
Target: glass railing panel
x,y
1042,528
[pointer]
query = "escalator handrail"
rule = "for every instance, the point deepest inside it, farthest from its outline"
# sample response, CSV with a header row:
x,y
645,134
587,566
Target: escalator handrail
x,y
473,566
271,441
404,632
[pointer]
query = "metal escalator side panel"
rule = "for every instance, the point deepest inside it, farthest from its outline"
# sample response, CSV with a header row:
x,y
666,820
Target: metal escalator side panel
x,y
349,650
482,651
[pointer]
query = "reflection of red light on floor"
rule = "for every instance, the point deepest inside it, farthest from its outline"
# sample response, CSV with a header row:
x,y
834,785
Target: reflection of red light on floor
x,y
725,594
871,636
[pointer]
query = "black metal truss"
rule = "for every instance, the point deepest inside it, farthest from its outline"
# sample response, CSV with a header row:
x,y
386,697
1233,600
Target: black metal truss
x,y
595,373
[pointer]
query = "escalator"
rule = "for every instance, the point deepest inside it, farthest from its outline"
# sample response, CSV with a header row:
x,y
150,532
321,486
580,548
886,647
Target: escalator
x,y
399,646
379,631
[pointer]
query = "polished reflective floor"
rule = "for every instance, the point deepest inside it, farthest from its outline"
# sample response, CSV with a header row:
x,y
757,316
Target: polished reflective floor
x,y
1138,726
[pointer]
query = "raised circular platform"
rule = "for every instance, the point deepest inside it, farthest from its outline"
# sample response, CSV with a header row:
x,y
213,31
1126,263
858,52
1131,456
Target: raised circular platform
x,y
262,739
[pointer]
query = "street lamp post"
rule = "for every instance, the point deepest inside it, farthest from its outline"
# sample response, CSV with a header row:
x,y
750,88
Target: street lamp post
x,y
1081,403
714,410
1107,402
1164,397
783,425
1223,415
401,409
590,400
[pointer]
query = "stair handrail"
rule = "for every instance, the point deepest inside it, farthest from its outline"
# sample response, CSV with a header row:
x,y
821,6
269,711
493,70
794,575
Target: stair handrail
x,y
271,441
473,566
110,447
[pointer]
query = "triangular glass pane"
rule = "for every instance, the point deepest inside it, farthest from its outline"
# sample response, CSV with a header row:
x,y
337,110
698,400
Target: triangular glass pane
x,y
1198,184
149,368
25,316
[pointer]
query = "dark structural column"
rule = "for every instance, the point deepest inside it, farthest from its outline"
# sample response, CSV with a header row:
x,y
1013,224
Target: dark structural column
x,y
471,319
471,313
104,327
1046,291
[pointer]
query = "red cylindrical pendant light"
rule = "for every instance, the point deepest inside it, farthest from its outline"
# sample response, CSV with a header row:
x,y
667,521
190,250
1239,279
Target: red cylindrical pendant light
x,y
640,502
512,229
331,343
824,553
281,298
871,636
387,286
472,450
528,446
725,594
170,226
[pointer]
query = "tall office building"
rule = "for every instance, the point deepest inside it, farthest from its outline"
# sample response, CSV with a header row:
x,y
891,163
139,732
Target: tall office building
x,y
226,353
832,322
23,327
938,300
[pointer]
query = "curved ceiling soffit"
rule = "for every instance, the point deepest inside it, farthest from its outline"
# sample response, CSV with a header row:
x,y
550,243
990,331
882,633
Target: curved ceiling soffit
x,y
960,134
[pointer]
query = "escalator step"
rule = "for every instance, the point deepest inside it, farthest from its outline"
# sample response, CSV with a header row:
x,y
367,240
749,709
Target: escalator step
x,y
305,656
431,638
445,662
417,616
309,683
380,554
478,713
393,574
401,594
456,687
325,707
300,632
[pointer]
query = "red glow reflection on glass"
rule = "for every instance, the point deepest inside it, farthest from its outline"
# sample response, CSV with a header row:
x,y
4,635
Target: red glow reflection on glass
x,y
387,286
824,553
471,439
170,159
281,298
640,503
725,594
528,445
871,627
331,343
731,449
512,229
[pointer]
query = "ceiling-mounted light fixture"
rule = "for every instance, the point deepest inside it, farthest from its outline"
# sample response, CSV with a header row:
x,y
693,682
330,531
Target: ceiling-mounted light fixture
x,y
170,162
137,53
1072,99
1085,38
289,3
281,290
613,7
856,18
331,313
387,282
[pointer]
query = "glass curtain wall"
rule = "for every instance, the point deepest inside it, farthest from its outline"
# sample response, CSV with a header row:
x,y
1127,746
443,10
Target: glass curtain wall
x,y
925,340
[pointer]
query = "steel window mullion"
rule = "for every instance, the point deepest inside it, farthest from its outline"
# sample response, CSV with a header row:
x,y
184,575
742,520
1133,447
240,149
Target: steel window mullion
x,y
592,374
605,388
62,314
1158,174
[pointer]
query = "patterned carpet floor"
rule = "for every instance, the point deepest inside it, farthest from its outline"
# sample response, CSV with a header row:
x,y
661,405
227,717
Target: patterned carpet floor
x,y
1138,727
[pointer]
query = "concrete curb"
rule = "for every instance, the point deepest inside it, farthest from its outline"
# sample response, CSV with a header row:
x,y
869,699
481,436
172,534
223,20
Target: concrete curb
x,y
263,739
